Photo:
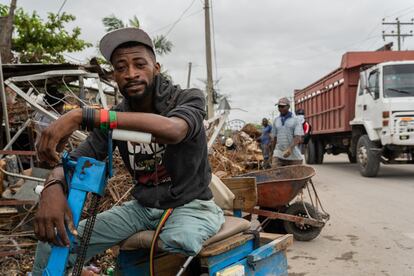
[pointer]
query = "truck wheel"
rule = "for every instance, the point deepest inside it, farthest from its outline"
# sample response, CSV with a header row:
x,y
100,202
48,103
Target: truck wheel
x,y
310,153
302,232
319,152
368,161
352,159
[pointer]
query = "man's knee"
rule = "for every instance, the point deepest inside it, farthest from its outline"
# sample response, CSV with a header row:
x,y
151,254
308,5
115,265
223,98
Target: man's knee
x,y
186,241
190,226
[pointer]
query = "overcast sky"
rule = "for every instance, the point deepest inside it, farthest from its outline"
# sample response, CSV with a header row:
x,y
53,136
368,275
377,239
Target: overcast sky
x,y
263,49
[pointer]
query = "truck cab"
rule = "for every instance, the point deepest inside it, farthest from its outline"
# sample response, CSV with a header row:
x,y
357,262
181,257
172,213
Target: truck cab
x,y
384,107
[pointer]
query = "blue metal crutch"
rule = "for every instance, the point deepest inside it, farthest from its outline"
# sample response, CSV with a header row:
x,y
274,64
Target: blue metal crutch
x,y
89,176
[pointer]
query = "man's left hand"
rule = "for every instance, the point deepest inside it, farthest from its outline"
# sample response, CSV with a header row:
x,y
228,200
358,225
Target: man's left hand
x,y
53,138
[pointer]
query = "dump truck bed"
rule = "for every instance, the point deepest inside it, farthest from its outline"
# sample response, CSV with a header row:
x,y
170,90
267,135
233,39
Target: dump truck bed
x,y
329,103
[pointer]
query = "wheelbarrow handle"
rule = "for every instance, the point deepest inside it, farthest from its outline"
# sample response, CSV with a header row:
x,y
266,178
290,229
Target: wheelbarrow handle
x,y
133,136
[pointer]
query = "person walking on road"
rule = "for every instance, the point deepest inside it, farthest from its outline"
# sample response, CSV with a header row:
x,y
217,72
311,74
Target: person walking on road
x,y
287,132
307,129
265,143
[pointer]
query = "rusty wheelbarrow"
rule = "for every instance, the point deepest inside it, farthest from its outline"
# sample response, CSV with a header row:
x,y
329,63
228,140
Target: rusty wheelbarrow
x,y
276,189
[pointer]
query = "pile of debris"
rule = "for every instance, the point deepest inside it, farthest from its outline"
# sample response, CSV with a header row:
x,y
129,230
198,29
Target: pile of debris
x,y
26,94
229,156
17,240
237,154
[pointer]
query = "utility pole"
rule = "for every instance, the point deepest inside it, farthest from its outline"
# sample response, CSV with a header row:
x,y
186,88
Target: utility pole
x,y
209,88
6,31
189,74
399,35
4,106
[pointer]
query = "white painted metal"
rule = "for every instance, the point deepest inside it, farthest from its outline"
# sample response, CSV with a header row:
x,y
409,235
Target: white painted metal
x,y
369,111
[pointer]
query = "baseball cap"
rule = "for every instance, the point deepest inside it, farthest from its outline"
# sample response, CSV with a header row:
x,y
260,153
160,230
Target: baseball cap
x,y
283,101
113,39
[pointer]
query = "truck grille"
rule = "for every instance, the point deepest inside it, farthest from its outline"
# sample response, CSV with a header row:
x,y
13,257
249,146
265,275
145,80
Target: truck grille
x,y
403,126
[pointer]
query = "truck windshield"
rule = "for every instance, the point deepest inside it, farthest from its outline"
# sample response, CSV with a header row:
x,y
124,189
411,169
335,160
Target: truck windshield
x,y
399,80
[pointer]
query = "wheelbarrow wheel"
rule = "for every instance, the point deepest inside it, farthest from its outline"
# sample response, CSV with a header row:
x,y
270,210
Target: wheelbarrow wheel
x,y
273,225
301,232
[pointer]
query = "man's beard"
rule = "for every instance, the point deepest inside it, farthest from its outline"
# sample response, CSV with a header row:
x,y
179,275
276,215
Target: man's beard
x,y
149,88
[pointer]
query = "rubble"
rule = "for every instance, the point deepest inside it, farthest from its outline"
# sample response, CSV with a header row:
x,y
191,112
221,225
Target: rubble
x,y
17,239
243,156
17,242
251,130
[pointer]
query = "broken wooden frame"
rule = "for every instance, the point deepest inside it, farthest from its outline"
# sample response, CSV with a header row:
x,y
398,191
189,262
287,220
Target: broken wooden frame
x,y
81,74
217,122
13,82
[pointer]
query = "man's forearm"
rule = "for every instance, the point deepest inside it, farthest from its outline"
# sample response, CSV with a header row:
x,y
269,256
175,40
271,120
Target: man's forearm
x,y
57,177
295,142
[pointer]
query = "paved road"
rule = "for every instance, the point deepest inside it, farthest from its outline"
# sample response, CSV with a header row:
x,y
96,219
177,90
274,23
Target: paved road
x,y
371,230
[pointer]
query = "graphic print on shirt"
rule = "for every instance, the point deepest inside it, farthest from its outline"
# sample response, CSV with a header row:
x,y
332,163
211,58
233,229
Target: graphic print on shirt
x,y
147,163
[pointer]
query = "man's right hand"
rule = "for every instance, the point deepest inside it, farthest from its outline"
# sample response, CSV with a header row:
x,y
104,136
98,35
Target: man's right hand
x,y
287,153
54,137
51,216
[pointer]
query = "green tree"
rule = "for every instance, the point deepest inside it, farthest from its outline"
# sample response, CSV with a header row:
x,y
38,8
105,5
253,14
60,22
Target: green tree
x,y
161,44
36,40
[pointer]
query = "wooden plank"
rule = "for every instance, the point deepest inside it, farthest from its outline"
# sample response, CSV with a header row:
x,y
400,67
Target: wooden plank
x,y
270,249
27,244
216,263
18,152
169,264
3,167
269,237
12,253
8,211
245,191
225,245
14,202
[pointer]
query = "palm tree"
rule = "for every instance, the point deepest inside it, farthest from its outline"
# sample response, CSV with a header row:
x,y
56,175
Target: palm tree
x,y
112,23
161,44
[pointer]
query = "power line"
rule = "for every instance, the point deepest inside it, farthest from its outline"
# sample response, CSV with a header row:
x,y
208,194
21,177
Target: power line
x,y
399,35
179,19
244,66
61,7
166,26
407,12
331,51
397,13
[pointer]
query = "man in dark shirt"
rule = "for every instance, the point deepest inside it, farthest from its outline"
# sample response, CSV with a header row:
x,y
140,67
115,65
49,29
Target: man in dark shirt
x,y
265,143
171,172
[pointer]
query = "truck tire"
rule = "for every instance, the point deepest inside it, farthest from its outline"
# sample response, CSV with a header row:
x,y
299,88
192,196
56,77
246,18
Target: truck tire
x,y
368,161
310,153
352,159
319,152
302,232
